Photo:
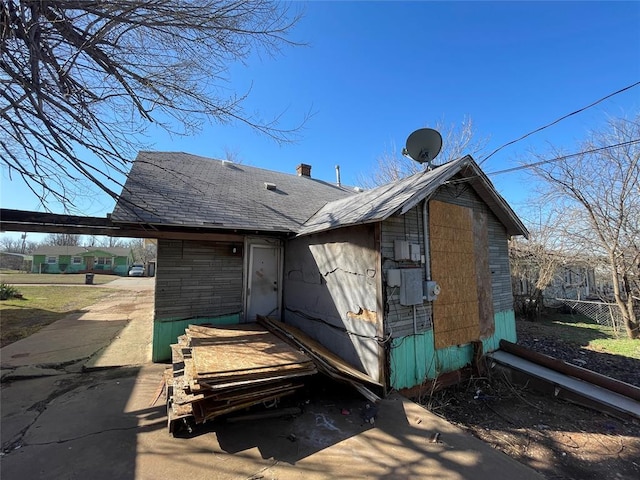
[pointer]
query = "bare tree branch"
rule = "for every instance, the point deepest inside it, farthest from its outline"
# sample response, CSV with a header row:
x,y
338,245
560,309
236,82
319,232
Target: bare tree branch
x,y
84,79
600,193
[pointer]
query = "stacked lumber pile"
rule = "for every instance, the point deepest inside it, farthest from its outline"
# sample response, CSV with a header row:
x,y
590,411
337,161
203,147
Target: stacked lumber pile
x,y
221,369
327,362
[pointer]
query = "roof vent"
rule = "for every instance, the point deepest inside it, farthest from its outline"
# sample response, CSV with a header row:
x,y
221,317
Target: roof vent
x,y
227,163
269,186
357,189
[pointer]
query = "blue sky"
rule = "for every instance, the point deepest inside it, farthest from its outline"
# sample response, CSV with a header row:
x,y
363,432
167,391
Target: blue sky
x,y
372,72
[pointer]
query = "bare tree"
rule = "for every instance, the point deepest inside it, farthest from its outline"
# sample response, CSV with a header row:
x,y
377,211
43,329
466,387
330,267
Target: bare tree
x,y
535,261
18,245
109,242
457,140
143,250
63,240
84,79
599,193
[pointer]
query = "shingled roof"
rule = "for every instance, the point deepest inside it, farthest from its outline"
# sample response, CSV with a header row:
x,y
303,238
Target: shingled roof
x,y
402,195
183,190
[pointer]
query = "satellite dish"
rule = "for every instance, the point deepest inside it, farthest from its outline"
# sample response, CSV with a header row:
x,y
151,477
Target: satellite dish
x,y
423,145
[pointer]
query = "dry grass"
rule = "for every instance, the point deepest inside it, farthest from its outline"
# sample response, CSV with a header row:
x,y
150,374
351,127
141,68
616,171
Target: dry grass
x,y
42,305
13,277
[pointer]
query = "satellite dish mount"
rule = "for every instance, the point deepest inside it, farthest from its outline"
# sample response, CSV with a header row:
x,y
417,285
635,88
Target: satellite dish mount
x,y
423,146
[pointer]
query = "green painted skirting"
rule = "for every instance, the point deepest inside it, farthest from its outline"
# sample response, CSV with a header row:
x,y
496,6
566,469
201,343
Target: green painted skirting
x,y
415,359
167,331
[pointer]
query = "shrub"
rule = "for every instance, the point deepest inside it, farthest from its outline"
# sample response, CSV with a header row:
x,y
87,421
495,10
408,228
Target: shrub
x,y
8,291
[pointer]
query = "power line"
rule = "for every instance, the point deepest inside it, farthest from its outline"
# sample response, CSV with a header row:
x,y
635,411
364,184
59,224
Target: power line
x,y
550,160
558,120
564,157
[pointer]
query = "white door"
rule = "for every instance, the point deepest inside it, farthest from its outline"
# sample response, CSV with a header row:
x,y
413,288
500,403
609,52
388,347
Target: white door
x,y
263,291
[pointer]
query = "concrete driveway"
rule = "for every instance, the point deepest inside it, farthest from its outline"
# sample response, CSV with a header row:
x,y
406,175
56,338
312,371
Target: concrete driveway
x,y
102,416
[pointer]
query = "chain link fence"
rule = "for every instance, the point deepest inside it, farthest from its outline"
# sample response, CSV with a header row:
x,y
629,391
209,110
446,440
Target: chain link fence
x,y
603,313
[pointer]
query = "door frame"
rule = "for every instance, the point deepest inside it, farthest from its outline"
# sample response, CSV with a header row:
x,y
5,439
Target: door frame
x,y
252,243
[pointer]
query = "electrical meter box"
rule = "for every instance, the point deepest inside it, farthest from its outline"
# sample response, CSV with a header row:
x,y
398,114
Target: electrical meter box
x,y
404,250
431,290
414,252
393,278
401,250
411,286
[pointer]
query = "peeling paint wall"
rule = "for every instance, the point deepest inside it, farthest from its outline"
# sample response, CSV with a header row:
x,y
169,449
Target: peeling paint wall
x,y
330,292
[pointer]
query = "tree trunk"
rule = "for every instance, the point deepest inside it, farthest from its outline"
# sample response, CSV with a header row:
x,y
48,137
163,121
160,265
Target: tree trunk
x,y
629,315
624,305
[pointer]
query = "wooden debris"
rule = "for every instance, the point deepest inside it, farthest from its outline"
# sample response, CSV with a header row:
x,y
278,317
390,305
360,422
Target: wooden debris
x,y
222,369
326,361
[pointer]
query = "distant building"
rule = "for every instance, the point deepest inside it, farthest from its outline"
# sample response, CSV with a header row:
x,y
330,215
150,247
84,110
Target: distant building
x,y
66,259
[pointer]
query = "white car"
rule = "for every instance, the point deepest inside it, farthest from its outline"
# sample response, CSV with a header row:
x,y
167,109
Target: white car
x,y
136,271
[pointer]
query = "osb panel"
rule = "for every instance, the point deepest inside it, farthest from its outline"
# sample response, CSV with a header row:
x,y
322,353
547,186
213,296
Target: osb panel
x,y
238,350
459,336
483,273
456,315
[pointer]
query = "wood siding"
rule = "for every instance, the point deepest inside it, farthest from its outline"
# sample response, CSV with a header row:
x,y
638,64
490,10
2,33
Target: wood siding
x,y
197,279
399,321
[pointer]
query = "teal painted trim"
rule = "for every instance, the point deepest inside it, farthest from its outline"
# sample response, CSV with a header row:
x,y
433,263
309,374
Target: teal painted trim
x,y
414,358
505,327
167,330
453,358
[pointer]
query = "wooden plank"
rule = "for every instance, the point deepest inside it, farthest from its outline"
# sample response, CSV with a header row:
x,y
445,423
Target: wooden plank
x,y
483,274
230,351
318,349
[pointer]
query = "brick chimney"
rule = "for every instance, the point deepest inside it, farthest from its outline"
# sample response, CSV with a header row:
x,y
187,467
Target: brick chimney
x,y
303,170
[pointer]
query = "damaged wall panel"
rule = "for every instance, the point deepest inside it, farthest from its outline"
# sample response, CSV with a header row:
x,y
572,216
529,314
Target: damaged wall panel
x,y
331,279
483,273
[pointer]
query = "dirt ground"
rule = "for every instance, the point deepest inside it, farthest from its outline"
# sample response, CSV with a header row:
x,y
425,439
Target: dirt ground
x,y
558,439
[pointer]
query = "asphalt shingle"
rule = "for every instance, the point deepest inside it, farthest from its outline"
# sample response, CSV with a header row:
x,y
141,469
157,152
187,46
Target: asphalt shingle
x,y
180,189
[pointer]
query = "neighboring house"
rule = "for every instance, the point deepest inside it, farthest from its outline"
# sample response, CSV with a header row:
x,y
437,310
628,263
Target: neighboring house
x,y
570,278
15,261
66,259
356,271
574,280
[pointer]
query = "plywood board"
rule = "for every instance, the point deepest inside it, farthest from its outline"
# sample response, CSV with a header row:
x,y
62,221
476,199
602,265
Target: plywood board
x,y
237,350
317,349
483,274
217,370
456,315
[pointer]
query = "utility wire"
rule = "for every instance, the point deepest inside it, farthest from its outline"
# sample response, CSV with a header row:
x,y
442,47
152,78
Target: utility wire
x,y
550,160
558,120
564,157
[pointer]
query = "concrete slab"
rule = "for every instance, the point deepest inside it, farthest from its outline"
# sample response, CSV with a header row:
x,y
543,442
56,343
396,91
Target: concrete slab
x,y
105,427
28,371
132,283
133,344
79,336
